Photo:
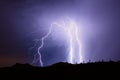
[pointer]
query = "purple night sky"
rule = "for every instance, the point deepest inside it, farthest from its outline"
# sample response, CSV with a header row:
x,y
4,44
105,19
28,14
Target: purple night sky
x,y
22,22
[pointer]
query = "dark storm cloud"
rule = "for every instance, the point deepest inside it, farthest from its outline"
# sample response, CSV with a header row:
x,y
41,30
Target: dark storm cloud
x,y
18,21
100,20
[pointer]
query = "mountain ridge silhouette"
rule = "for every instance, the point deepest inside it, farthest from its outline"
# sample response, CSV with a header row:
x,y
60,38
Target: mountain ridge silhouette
x,y
61,71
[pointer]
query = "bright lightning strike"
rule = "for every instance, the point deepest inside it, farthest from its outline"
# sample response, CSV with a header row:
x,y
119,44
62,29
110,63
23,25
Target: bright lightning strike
x,y
74,45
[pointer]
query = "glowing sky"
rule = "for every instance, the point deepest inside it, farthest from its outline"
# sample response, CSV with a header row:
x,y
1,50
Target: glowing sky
x,y
23,22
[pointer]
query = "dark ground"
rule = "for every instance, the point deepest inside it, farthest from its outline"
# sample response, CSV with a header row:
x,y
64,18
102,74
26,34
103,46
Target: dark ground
x,y
98,71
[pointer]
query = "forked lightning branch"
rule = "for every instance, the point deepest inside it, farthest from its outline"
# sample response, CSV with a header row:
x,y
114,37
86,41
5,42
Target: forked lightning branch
x,y
74,43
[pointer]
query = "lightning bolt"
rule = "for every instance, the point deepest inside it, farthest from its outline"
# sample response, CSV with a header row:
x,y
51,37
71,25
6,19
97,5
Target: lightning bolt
x,y
72,32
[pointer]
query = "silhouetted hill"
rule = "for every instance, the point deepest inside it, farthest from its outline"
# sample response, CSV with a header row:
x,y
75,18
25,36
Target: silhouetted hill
x,y
97,70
